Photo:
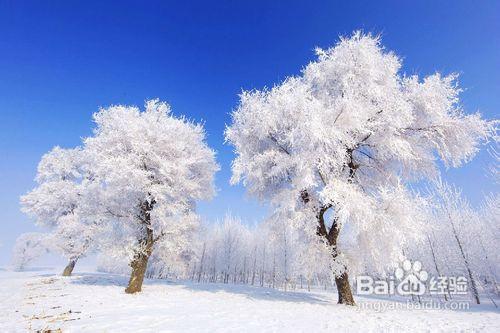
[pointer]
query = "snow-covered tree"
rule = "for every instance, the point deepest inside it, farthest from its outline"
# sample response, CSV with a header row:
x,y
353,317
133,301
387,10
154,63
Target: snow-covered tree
x,y
57,200
284,243
461,240
230,251
268,254
149,168
494,167
490,234
174,255
339,143
73,239
232,241
225,247
467,237
311,256
28,247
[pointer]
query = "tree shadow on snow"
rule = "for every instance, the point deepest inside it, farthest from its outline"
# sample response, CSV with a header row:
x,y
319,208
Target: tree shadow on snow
x,y
251,292
254,292
34,269
110,279
99,279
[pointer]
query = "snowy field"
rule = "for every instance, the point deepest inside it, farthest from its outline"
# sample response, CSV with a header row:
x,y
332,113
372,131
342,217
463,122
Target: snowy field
x,y
96,302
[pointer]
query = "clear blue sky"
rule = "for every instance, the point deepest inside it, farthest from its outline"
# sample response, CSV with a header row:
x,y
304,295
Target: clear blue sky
x,y
61,60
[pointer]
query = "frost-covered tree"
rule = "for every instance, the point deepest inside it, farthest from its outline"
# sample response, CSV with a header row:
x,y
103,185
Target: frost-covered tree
x,y
494,167
175,253
454,210
467,237
171,256
229,252
28,247
57,202
149,168
73,238
284,243
338,144
224,249
461,241
232,245
268,254
490,234
311,256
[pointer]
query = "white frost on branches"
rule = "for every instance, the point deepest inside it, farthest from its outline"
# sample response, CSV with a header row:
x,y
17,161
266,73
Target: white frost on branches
x,y
149,168
131,187
58,201
349,134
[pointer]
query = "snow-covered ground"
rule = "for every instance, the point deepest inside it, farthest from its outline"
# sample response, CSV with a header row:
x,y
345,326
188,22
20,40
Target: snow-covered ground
x,y
96,302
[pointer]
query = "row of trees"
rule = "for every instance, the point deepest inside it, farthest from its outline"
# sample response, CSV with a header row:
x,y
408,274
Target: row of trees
x,y
268,254
458,241
462,241
334,151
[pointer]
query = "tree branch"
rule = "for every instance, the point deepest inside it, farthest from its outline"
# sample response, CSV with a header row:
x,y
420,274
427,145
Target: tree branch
x,y
283,149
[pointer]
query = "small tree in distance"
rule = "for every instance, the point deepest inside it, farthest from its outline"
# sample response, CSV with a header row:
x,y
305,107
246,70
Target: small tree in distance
x,y
338,144
58,200
28,247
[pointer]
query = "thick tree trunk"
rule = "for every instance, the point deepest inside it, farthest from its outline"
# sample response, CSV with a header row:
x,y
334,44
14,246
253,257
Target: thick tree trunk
x,y
342,281
140,263
69,267
344,290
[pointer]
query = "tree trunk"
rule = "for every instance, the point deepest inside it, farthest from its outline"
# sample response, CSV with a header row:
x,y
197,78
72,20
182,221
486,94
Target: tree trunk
x,y
69,267
263,268
475,292
342,281
201,262
492,274
344,290
140,263
274,269
254,263
436,265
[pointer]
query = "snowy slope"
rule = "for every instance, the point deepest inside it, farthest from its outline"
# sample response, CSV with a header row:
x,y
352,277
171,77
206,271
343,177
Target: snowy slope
x,y
95,302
